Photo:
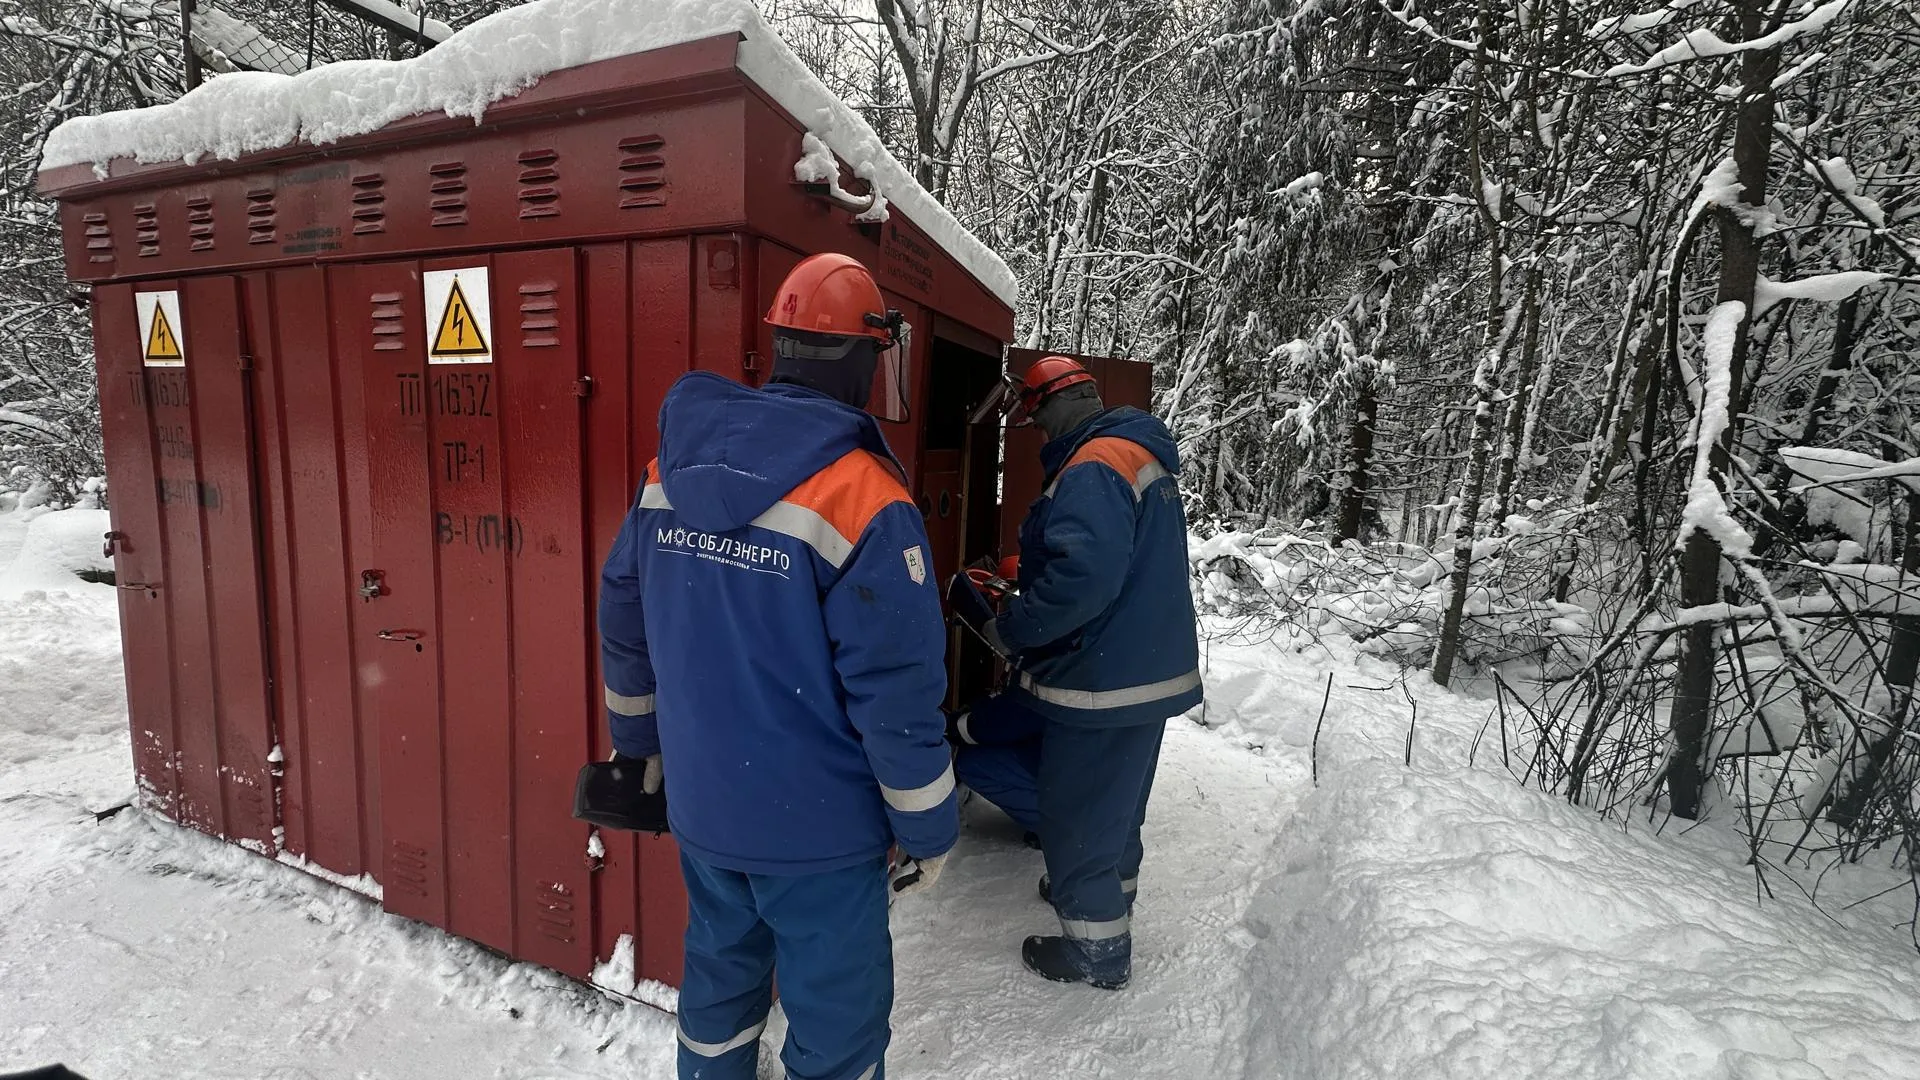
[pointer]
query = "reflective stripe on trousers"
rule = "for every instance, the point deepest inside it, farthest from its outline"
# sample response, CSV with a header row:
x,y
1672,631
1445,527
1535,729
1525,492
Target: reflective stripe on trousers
x,y
713,1050
1089,930
1125,697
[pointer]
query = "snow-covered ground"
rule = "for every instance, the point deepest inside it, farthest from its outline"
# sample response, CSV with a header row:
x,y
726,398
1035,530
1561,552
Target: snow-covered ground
x,y
1431,919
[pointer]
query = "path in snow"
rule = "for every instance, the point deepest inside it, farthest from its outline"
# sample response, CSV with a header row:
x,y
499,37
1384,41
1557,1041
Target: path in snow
x,y
1431,920
186,957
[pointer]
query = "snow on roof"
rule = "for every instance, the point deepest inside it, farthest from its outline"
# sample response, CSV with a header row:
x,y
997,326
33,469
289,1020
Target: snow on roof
x,y
495,58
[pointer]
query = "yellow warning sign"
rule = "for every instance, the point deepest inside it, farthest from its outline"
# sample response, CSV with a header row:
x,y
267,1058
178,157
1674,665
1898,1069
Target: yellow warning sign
x,y
159,314
459,316
459,334
161,342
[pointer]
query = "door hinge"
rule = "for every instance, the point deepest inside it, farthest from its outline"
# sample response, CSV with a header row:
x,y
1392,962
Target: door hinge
x,y
583,387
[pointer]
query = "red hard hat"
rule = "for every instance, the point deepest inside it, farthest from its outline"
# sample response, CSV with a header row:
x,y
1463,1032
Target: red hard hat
x,y
1009,568
831,294
1048,376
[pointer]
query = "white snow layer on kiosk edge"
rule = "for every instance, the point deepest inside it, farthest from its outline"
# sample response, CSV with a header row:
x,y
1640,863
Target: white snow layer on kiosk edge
x,y
495,58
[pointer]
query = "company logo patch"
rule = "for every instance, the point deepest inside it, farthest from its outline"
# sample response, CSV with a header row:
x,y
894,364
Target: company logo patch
x,y
916,565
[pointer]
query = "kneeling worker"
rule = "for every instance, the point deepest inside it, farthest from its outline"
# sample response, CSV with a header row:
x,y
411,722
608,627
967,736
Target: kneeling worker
x,y
773,644
1101,633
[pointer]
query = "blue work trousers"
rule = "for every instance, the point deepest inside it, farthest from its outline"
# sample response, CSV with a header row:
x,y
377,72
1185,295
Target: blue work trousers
x,y
826,937
1083,790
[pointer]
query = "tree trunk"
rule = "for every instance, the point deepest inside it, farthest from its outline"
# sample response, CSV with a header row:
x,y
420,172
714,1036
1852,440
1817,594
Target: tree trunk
x,y
1701,555
1651,412
1353,498
1486,384
1521,403
1496,334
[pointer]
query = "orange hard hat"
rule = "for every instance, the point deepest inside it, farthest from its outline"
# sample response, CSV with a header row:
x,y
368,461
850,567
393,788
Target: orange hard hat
x,y
832,294
1048,376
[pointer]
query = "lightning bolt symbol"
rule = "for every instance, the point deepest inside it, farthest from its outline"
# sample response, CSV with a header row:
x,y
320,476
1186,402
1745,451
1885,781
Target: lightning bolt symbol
x,y
460,325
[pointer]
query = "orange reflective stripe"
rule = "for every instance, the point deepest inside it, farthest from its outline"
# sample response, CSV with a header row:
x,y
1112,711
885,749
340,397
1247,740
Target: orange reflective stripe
x,y
1123,456
653,496
850,492
1135,464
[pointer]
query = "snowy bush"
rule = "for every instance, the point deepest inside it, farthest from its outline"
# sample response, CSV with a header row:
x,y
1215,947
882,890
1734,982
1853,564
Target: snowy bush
x,y
1389,598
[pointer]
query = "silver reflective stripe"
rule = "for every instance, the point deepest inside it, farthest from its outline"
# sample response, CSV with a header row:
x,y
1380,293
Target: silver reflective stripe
x,y
654,497
1149,473
639,705
871,1069
1142,480
925,797
1130,885
966,736
1082,930
791,519
716,1049
1111,699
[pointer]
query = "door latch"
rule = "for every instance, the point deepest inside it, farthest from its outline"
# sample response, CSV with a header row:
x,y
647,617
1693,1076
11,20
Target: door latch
x,y
373,584
113,539
401,635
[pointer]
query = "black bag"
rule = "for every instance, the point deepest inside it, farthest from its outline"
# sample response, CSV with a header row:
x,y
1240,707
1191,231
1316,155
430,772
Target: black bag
x,y
608,794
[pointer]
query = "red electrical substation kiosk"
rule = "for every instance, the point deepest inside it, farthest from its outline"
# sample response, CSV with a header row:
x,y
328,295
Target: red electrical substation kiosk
x,y
374,412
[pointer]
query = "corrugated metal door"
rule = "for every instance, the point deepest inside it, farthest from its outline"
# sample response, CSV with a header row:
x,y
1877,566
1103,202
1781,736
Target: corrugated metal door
x,y
314,512
643,304
176,410
139,553
479,665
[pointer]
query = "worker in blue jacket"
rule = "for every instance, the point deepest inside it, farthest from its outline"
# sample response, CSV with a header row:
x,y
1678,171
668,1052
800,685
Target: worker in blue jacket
x,y
1102,639
774,654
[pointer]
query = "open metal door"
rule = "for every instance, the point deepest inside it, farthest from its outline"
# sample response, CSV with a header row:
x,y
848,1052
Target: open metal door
x,y
1122,382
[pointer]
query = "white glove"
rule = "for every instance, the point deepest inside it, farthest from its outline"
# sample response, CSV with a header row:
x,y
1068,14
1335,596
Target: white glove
x,y
652,774
916,875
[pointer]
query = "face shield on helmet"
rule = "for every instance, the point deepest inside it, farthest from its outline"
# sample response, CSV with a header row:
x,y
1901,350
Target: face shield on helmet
x,y
1018,399
833,331
892,376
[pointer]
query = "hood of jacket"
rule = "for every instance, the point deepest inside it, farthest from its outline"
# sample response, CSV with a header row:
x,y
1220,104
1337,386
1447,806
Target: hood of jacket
x,y
1122,422
728,451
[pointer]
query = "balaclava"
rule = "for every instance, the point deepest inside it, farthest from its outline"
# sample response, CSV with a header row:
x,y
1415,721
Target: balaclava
x,y
1067,408
839,367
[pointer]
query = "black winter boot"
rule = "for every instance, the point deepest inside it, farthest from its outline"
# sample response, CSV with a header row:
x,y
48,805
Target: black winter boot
x,y
1104,965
